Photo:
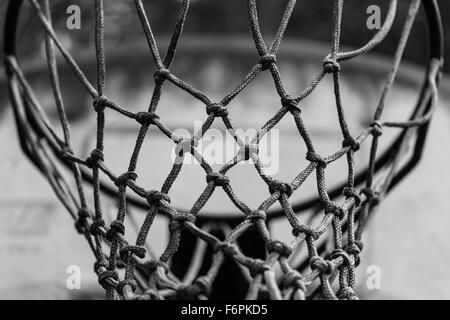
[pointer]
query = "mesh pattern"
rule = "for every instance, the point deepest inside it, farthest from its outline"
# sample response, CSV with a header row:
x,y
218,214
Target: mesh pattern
x,y
351,215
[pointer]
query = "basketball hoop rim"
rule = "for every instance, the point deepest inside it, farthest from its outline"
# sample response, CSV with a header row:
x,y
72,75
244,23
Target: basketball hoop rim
x,y
26,119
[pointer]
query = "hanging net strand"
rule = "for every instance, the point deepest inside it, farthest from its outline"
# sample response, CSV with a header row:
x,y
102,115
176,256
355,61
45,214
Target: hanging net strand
x,y
145,277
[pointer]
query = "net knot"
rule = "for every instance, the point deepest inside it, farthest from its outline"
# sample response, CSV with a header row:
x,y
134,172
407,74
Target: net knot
x,y
257,215
96,225
352,193
307,230
95,157
376,128
100,103
352,143
124,178
180,219
80,224
146,118
201,286
372,196
339,253
115,229
316,158
218,179
281,187
293,278
334,209
98,265
258,266
128,250
290,103
324,266
267,60
355,249
127,282
331,65
226,248
347,293
217,109
155,197
248,150
279,247
161,75
107,278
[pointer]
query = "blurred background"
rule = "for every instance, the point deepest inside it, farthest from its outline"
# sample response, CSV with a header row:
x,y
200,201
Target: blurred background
x,y
406,239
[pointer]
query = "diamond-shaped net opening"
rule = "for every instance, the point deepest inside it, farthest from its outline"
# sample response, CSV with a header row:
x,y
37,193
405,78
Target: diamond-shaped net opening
x,y
152,278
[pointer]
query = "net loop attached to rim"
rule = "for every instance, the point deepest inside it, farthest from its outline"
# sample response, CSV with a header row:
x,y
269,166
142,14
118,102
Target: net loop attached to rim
x,y
345,220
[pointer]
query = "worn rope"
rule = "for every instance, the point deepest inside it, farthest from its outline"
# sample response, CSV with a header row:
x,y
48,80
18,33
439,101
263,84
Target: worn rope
x,y
134,258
